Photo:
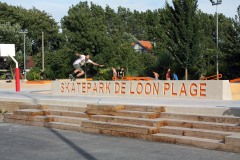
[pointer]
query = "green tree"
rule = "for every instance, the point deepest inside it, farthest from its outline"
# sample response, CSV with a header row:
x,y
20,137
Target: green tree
x,y
36,22
183,31
58,64
230,46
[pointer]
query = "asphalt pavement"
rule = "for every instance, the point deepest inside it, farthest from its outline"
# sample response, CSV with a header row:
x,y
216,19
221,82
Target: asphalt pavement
x,y
19,142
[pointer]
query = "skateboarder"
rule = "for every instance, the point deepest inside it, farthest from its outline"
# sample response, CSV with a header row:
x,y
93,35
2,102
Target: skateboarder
x,y
78,63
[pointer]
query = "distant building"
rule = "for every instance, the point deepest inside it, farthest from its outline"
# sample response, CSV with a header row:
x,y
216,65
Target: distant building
x,y
143,46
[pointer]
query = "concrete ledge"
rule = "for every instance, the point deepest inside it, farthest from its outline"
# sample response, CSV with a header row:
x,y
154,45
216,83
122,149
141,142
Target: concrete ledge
x,y
166,89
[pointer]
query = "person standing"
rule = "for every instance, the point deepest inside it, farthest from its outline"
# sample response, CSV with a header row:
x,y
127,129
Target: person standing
x,y
78,63
168,74
156,75
175,77
121,73
114,72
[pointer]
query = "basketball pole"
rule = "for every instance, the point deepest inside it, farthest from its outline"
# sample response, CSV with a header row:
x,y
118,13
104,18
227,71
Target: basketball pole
x,y
17,75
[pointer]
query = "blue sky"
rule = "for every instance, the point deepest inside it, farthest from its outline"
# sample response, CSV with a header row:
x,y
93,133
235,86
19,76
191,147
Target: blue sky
x,y
58,8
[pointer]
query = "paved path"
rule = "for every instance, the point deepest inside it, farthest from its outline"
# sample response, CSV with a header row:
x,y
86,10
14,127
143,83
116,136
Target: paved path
x,y
18,142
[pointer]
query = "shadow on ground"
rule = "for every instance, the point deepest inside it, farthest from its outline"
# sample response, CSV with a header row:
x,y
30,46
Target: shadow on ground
x,y
78,149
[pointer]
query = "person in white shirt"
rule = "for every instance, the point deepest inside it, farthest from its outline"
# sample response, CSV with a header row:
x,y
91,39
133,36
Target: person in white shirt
x,y
78,63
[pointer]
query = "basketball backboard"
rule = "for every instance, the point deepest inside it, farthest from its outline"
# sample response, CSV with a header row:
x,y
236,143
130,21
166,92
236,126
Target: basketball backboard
x,y
7,50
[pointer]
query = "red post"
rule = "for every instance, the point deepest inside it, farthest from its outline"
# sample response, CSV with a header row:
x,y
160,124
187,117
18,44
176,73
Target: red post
x,y
17,79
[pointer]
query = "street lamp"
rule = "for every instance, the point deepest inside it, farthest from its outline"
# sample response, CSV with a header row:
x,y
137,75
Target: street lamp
x,y
216,3
24,32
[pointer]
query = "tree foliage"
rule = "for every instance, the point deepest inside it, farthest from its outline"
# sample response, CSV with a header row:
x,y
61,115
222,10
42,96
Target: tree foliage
x,y
183,37
231,46
36,22
182,28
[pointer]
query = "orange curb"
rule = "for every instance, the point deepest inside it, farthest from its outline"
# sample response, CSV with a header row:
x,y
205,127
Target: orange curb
x,y
39,82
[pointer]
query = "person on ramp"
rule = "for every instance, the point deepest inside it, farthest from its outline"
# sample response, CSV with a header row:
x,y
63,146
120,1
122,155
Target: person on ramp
x,y
78,63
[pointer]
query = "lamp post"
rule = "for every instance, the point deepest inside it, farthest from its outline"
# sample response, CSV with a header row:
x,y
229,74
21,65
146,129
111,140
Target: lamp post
x,y
216,3
24,32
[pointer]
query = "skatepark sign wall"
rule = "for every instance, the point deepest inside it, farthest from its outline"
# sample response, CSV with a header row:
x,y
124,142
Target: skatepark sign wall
x,y
166,89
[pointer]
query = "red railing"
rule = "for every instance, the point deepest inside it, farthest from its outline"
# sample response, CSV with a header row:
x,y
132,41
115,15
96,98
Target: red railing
x,y
214,77
128,78
235,80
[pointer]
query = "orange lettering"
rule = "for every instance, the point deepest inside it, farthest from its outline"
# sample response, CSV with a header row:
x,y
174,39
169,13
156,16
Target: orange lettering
x,y
155,88
95,87
73,88
194,93
131,92
67,87
149,88
202,89
141,88
88,87
62,87
166,88
78,84
183,90
123,87
117,87
83,87
108,88
173,94
101,85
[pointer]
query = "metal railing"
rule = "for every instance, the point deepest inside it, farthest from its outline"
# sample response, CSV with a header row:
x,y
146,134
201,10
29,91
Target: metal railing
x,y
213,77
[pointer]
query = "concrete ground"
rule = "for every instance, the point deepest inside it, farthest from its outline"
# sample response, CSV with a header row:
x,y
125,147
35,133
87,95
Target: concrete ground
x,y
19,142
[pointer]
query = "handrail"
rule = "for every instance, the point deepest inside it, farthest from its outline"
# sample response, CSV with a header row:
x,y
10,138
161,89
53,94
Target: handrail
x,y
129,78
214,77
235,80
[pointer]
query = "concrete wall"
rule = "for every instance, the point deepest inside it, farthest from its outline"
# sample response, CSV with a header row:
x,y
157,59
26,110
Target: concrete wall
x,y
167,89
235,88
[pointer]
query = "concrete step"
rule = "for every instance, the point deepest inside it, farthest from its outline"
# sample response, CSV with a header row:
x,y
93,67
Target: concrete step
x,y
63,126
71,120
119,127
29,118
114,133
233,140
54,107
57,125
24,122
67,108
31,112
145,108
191,132
67,113
186,140
203,125
203,110
105,107
9,106
206,118
32,106
127,120
125,113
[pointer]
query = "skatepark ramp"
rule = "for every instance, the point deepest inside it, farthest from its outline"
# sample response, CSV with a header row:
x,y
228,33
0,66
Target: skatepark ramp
x,y
212,128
